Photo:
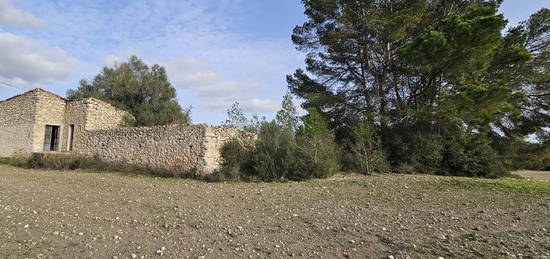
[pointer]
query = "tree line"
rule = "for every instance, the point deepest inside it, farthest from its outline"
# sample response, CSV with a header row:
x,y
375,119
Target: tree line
x,y
439,87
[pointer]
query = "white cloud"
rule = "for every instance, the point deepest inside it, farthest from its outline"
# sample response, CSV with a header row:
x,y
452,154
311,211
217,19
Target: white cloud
x,y
23,61
214,90
260,105
12,16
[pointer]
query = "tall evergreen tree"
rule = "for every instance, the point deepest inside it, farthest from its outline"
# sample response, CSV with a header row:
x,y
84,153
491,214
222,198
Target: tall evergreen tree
x,y
143,91
424,68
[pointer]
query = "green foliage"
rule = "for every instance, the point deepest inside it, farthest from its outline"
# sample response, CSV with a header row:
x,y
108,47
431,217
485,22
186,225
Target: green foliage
x,y
143,91
275,155
477,107
531,156
473,158
447,89
237,119
236,158
366,148
287,116
281,151
316,147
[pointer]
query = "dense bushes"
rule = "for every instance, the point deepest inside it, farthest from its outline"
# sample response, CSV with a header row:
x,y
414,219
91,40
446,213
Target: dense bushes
x,y
280,153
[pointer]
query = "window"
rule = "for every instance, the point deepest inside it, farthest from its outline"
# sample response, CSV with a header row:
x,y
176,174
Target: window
x,y
51,138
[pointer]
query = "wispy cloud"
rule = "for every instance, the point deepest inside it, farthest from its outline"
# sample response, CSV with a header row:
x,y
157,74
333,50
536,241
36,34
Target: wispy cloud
x,y
11,16
25,62
208,59
215,91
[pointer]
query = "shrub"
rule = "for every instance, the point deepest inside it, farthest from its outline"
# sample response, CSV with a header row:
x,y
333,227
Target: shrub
x,y
475,159
275,153
366,149
236,155
317,149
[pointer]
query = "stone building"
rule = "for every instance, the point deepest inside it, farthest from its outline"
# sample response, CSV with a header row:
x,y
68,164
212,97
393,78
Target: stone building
x,y
42,122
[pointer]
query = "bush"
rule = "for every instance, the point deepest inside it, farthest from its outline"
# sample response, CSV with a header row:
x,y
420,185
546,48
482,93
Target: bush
x,y
317,150
475,159
275,154
236,157
366,150
279,154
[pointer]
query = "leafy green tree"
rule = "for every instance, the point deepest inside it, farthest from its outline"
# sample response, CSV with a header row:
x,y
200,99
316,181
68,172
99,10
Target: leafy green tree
x,y
143,91
367,150
287,116
317,146
275,157
237,119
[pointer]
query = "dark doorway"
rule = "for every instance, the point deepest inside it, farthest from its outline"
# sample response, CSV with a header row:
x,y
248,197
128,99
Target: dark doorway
x,y
71,137
51,138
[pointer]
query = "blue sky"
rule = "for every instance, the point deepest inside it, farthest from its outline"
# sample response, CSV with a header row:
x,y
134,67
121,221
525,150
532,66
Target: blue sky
x,y
216,51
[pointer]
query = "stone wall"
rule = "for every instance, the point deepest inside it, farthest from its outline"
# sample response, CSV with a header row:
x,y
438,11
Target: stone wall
x,y
178,148
49,110
16,123
23,120
101,115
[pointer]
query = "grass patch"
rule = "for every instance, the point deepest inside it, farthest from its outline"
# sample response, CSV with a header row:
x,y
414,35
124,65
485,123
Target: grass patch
x,y
63,162
501,184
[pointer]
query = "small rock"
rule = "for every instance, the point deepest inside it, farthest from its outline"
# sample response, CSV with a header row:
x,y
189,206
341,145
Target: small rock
x,y
134,256
390,257
80,233
351,241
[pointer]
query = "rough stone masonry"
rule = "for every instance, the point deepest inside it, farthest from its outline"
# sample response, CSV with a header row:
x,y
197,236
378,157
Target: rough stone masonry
x,y
42,122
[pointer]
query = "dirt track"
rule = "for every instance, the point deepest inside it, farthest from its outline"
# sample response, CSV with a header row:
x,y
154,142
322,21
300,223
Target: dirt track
x,y
46,214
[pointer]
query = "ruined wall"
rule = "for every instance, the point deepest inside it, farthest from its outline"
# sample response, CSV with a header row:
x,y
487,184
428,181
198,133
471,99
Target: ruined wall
x,y
214,139
180,148
16,124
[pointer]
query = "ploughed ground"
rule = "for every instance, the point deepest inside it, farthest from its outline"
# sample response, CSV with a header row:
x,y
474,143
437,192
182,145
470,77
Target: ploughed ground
x,y
77,214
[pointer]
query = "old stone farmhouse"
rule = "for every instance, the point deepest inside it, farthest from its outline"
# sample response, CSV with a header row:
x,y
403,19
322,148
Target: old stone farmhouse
x,y
42,122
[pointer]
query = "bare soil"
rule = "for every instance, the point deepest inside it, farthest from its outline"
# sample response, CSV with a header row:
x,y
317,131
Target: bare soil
x,y
49,214
534,175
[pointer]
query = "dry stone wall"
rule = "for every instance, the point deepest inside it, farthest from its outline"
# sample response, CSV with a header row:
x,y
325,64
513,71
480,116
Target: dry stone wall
x,y
101,115
16,124
97,132
178,148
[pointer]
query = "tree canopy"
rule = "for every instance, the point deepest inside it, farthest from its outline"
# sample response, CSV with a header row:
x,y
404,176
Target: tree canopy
x,y
143,91
419,69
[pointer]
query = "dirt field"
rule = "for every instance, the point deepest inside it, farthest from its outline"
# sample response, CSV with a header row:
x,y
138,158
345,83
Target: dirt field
x,y
46,214
535,175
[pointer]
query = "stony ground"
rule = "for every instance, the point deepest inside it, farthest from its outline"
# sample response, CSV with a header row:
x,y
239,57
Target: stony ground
x,y
47,214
